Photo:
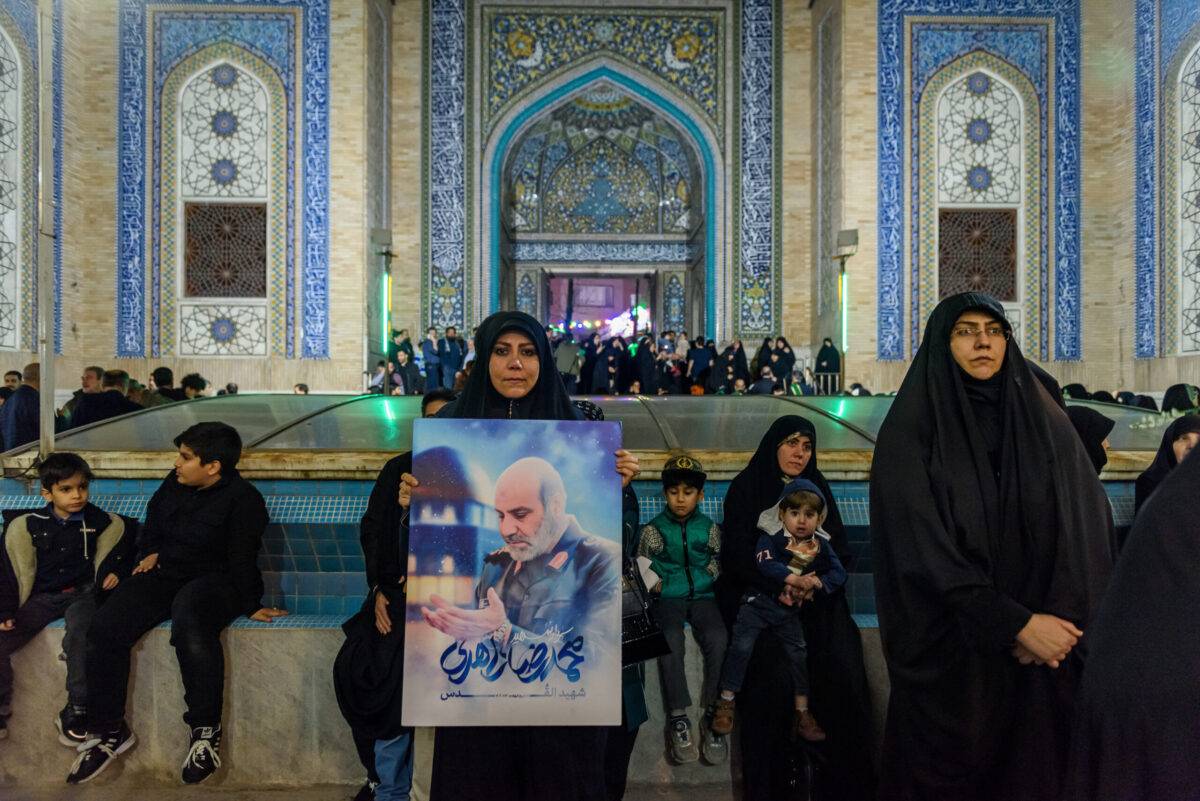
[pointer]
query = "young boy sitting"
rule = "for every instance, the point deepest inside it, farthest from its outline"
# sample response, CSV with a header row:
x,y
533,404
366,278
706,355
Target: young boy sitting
x,y
683,546
198,568
801,559
55,563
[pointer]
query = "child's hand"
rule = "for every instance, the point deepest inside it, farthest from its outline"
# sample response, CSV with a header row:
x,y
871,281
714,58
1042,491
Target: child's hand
x,y
811,582
147,564
627,466
110,581
7,625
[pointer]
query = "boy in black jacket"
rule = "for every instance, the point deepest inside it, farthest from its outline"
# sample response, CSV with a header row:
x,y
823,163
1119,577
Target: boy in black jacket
x,y
198,568
54,563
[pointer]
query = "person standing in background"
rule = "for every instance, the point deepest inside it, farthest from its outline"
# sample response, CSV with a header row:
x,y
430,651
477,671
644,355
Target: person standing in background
x,y
451,351
430,352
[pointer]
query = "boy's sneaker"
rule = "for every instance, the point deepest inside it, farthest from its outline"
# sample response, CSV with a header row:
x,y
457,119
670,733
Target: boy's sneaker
x,y
722,719
806,727
683,747
367,791
71,723
98,751
713,747
204,757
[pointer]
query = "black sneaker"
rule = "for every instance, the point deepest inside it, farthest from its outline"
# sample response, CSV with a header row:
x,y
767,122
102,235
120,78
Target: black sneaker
x,y
71,724
98,751
366,792
204,757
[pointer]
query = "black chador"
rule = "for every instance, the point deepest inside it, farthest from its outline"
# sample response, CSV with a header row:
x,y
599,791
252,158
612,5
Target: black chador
x,y
1138,707
985,509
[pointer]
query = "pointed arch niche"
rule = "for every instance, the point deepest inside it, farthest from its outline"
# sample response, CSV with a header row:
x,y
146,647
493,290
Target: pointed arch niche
x,y
689,229
223,244
979,165
1181,201
18,190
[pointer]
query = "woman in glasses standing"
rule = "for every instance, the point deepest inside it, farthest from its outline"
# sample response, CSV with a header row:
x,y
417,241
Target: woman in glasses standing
x,y
992,544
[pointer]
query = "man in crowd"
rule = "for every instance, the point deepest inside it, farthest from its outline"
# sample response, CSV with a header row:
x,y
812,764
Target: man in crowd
x,y
430,350
12,379
164,388
406,378
451,351
110,402
19,422
193,385
89,384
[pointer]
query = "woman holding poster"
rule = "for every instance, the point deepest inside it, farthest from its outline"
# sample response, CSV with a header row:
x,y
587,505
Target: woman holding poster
x,y
516,380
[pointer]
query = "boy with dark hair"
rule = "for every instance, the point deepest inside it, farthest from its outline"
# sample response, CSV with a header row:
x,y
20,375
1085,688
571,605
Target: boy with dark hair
x,y
197,568
54,563
684,549
801,559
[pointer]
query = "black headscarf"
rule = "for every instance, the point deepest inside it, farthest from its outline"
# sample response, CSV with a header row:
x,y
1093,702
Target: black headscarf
x,y
1136,711
963,554
1127,399
1164,461
1103,396
1093,428
548,400
1146,402
740,368
645,367
1077,392
1179,398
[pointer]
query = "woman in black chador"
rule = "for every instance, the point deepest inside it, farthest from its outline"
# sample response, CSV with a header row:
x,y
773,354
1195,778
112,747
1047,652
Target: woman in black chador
x,y
1137,720
992,544
1177,441
773,762
515,378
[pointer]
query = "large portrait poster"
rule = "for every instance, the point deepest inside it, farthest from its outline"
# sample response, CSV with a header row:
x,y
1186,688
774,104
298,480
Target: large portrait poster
x,y
514,575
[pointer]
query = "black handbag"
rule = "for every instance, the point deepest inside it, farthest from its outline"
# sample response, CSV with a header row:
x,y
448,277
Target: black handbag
x,y
642,638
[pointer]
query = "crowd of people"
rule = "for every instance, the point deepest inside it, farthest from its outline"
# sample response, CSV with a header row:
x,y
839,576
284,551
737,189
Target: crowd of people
x,y
1022,647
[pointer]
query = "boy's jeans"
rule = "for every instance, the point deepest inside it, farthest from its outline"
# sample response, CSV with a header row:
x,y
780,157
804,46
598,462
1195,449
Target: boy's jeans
x,y
759,613
39,611
394,764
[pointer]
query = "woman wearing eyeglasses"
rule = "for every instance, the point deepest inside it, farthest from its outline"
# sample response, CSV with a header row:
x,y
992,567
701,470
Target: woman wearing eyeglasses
x,y
992,544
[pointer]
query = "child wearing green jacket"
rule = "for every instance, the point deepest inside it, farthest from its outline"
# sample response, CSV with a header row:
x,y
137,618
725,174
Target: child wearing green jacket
x,y
684,546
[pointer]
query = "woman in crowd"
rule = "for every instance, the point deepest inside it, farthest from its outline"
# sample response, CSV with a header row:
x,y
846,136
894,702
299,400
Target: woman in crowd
x,y
1077,392
606,372
645,367
1180,398
992,544
591,352
1136,712
740,368
1178,440
771,761
782,361
1093,429
762,358
516,379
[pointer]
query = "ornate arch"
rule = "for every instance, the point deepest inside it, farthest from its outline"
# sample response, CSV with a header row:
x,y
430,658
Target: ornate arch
x,y
238,327
18,192
1181,220
661,98
1033,247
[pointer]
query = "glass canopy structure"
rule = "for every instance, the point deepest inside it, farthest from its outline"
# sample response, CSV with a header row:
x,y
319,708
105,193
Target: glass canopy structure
x,y
728,424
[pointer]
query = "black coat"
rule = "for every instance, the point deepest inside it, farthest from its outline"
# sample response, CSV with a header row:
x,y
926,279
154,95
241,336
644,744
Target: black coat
x,y
96,406
214,530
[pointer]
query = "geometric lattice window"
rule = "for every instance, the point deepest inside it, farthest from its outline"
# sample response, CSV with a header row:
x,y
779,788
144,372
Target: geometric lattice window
x,y
226,255
977,252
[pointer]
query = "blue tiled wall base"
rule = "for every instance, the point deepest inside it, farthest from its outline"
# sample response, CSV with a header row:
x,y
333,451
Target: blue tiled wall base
x,y
313,565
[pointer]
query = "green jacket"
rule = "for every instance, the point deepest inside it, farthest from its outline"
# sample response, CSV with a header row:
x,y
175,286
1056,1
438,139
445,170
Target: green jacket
x,y
686,554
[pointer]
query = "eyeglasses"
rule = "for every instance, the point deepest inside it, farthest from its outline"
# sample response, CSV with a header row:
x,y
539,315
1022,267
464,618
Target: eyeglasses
x,y
973,332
